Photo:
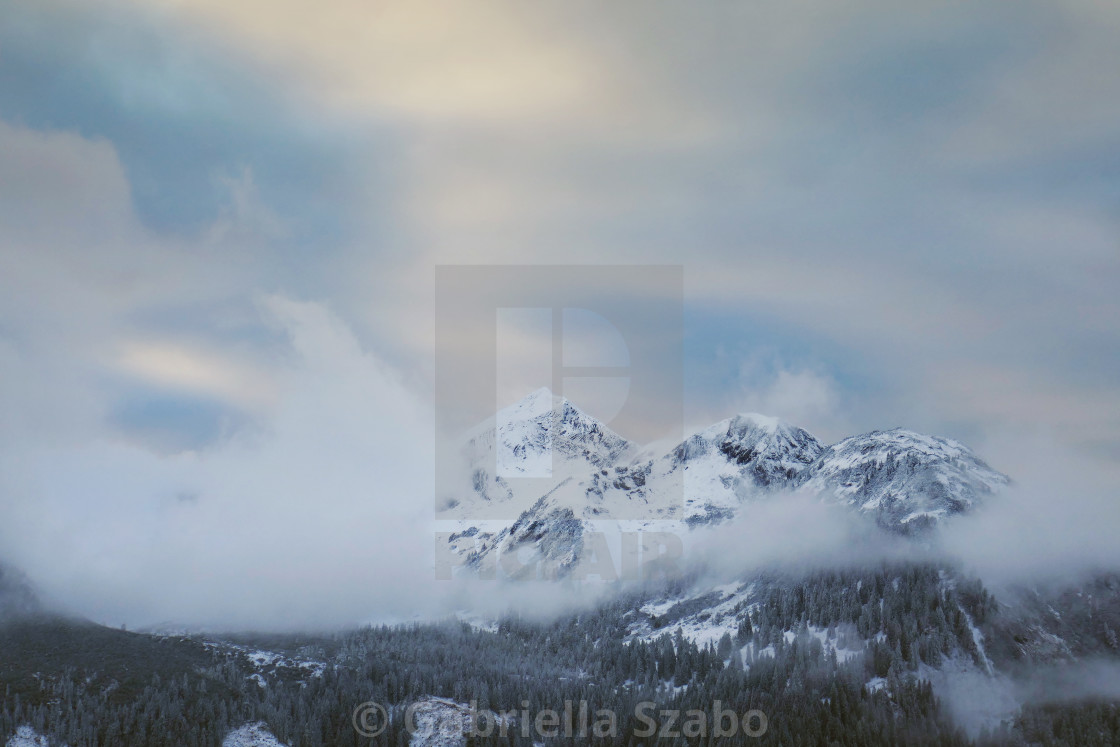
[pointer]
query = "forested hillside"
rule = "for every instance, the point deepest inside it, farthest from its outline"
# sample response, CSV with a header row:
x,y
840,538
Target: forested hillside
x,y
830,657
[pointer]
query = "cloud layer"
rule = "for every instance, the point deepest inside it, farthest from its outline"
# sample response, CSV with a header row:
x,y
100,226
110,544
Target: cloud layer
x,y
886,216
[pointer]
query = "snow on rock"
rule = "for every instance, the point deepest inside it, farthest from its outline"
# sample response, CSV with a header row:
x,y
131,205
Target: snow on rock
x,y
906,480
706,614
543,428
270,664
705,479
25,736
441,722
735,460
596,477
702,616
252,735
554,533
529,449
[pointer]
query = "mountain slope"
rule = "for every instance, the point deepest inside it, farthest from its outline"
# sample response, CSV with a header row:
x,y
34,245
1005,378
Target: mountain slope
x,y
119,662
703,480
531,447
907,481
735,460
17,596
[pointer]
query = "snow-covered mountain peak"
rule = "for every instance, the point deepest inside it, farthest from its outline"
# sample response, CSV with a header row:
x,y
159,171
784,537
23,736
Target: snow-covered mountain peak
x,y
757,420
531,405
908,480
765,430
771,451
896,441
528,449
552,473
758,425
544,426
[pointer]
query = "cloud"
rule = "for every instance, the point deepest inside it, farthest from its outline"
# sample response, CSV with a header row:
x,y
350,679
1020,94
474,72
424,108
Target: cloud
x,y
792,530
836,168
320,515
185,113
1021,118
906,214
177,367
1054,524
801,397
83,280
495,64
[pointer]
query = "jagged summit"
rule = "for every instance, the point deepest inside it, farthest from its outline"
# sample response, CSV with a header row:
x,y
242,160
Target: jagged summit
x,y
773,451
585,473
543,438
732,462
531,433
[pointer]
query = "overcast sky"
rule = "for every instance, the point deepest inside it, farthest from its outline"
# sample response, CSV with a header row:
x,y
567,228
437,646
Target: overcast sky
x,y
219,223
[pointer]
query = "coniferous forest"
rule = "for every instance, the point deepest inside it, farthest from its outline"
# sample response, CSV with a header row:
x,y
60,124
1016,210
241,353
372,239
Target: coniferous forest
x,y
83,684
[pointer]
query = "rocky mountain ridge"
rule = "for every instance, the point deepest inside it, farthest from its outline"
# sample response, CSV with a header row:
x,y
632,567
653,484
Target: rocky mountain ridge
x,y
581,476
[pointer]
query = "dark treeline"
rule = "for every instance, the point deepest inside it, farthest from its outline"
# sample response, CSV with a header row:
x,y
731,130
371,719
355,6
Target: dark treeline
x,y
892,619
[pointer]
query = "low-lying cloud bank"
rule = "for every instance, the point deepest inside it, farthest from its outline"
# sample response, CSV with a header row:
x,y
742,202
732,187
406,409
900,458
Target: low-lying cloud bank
x,y
1055,524
317,515
321,513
